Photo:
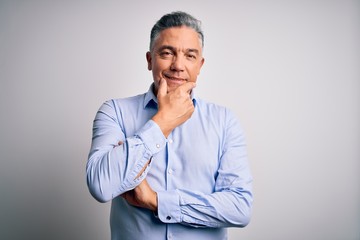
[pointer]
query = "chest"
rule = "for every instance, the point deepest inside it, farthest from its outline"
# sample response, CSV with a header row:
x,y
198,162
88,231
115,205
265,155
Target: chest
x,y
192,154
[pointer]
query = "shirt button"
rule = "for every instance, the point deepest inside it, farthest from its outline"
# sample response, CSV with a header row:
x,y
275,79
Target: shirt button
x,y
170,141
168,218
158,145
170,171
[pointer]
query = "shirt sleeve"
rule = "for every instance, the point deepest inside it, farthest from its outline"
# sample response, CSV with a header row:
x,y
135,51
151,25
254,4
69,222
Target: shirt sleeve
x,y
231,202
112,168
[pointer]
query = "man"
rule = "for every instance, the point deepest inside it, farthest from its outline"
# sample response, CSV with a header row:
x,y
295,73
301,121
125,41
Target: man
x,y
174,166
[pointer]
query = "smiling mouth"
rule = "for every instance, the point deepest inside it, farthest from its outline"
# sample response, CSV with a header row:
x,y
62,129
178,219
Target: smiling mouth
x,y
174,78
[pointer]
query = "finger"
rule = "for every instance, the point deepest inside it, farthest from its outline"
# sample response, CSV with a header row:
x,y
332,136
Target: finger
x,y
162,91
187,87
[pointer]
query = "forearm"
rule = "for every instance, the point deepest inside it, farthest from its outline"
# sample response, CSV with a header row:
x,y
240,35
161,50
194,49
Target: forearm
x,y
230,208
112,168
228,202
117,170
142,196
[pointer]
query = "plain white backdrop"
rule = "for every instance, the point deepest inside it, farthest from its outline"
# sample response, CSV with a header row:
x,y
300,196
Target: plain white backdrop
x,y
290,70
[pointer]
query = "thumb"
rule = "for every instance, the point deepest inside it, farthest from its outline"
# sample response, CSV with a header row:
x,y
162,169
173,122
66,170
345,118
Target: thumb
x,y
162,91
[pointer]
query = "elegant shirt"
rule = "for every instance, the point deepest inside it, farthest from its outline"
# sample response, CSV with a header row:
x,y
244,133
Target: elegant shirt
x,y
200,172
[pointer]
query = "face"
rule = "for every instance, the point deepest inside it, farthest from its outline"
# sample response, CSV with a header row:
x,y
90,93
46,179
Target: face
x,y
176,56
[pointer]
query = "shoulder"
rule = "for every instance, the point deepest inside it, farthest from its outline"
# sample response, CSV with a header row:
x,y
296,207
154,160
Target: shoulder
x,y
213,109
220,116
128,100
113,107
118,103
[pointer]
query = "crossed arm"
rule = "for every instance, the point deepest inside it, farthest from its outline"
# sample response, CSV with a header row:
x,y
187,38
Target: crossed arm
x,y
174,109
142,195
229,205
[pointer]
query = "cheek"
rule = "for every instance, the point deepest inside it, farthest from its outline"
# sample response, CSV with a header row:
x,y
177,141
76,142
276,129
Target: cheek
x,y
158,66
162,62
194,71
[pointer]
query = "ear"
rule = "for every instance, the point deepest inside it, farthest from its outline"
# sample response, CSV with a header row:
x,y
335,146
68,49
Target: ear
x,y
148,59
201,64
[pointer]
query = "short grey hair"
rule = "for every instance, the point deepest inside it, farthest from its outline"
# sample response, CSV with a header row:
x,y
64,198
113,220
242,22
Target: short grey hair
x,y
176,19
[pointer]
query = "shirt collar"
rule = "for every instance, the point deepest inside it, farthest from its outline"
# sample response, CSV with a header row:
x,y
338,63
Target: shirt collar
x,y
150,99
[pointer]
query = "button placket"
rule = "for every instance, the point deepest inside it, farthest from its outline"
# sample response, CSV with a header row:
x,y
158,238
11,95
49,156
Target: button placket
x,y
169,170
169,175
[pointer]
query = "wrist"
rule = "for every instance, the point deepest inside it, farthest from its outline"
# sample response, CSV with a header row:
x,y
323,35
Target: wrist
x,y
163,124
154,204
151,202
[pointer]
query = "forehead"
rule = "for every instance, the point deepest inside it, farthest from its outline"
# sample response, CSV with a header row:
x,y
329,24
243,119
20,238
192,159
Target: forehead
x,y
179,37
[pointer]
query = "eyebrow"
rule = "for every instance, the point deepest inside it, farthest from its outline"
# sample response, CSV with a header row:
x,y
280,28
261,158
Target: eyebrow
x,y
166,47
194,50
171,48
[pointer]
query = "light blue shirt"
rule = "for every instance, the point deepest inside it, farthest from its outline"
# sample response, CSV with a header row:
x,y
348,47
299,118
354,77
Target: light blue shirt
x,y
200,172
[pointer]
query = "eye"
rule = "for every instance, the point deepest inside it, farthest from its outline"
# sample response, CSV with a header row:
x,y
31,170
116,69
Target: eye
x,y
166,54
191,56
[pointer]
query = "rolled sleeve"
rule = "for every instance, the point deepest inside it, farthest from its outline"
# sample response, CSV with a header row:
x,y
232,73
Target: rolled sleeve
x,y
153,138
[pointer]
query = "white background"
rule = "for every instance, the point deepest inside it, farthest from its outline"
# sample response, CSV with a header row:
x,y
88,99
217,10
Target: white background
x,y
290,70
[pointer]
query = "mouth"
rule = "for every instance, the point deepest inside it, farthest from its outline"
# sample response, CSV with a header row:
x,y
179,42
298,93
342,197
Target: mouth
x,y
174,79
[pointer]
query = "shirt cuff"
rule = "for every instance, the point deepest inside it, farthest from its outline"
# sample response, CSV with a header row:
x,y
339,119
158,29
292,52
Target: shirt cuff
x,y
169,206
152,136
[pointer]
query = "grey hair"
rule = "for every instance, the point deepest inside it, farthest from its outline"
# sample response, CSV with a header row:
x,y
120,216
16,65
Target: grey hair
x,y
176,19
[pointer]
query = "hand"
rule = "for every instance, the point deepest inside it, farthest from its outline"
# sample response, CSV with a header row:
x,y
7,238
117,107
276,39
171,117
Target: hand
x,y
174,107
142,196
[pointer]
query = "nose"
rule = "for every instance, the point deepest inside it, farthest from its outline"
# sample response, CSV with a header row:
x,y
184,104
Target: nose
x,y
177,64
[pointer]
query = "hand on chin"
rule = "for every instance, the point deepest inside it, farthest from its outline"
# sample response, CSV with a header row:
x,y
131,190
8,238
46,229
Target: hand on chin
x,y
172,85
